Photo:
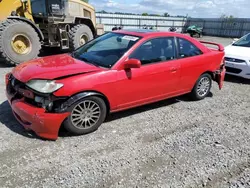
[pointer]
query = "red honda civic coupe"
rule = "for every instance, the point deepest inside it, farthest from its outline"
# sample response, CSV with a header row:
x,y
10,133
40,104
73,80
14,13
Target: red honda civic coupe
x,y
116,71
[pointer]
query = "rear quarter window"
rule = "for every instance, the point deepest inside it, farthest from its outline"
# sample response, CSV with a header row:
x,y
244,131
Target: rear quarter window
x,y
187,48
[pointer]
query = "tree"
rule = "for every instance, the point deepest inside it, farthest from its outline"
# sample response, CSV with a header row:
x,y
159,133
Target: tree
x,y
166,14
144,14
103,11
224,16
154,15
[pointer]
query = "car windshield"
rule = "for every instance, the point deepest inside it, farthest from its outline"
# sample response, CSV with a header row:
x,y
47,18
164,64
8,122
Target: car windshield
x,y
244,41
105,50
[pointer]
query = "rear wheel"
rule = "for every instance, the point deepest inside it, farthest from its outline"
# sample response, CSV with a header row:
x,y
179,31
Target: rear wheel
x,y
202,87
79,35
19,42
86,115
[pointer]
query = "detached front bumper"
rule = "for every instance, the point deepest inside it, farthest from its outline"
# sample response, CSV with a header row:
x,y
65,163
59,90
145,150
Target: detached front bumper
x,y
219,76
45,125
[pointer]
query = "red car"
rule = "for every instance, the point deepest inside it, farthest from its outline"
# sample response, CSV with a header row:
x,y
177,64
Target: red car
x,y
116,71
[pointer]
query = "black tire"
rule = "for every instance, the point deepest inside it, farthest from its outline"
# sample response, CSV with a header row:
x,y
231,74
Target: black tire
x,y
11,28
76,33
195,94
69,126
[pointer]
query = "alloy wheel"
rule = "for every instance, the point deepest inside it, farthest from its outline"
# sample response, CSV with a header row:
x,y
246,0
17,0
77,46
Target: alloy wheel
x,y
203,86
86,114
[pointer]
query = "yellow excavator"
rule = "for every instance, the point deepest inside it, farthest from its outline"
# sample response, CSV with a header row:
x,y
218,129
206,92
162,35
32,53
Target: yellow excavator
x,y
26,25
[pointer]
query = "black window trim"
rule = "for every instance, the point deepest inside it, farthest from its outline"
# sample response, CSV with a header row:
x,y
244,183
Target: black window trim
x,y
175,58
178,47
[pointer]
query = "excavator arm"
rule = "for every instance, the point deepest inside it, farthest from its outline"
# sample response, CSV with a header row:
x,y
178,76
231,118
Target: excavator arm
x,y
20,7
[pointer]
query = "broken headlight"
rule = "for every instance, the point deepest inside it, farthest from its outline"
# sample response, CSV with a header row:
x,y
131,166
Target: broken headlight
x,y
44,86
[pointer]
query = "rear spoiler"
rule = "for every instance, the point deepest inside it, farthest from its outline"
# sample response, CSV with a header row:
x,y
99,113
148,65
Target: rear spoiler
x,y
220,47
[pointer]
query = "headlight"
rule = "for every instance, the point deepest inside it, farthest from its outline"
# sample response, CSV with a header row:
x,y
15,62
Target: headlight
x,y
44,86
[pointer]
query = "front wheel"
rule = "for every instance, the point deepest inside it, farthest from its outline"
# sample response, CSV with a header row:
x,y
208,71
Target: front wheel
x,y
86,115
202,87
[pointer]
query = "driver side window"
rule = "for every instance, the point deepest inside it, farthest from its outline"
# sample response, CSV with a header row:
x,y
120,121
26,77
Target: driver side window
x,y
187,49
155,51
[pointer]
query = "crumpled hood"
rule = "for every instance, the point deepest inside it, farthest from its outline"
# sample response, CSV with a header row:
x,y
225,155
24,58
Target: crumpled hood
x,y
52,67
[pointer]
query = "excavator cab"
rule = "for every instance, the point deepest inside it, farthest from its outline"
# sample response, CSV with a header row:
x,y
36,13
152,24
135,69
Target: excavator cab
x,y
43,9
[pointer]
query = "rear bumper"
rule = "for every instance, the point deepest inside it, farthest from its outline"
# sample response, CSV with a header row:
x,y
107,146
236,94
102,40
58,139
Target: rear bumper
x,y
45,125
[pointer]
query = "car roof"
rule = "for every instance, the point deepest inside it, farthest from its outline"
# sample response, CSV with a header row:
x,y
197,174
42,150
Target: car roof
x,y
147,32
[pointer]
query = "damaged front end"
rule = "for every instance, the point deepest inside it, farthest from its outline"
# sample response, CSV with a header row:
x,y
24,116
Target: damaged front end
x,y
219,75
20,90
34,110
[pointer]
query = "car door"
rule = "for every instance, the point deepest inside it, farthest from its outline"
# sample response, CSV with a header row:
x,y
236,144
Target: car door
x,y
157,78
192,63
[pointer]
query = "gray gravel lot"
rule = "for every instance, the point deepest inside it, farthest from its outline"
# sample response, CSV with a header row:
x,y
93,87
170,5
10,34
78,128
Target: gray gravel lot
x,y
173,143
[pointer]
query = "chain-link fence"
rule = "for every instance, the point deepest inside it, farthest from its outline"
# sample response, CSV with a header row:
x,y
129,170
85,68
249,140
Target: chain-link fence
x,y
229,27
138,22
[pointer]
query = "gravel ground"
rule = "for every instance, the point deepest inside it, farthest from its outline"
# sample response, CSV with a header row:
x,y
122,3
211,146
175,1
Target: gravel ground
x,y
173,143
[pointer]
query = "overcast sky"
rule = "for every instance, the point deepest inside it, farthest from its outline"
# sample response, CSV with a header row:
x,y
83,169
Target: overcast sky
x,y
194,8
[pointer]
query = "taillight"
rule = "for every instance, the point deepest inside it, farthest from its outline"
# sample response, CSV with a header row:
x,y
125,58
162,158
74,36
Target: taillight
x,y
7,78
